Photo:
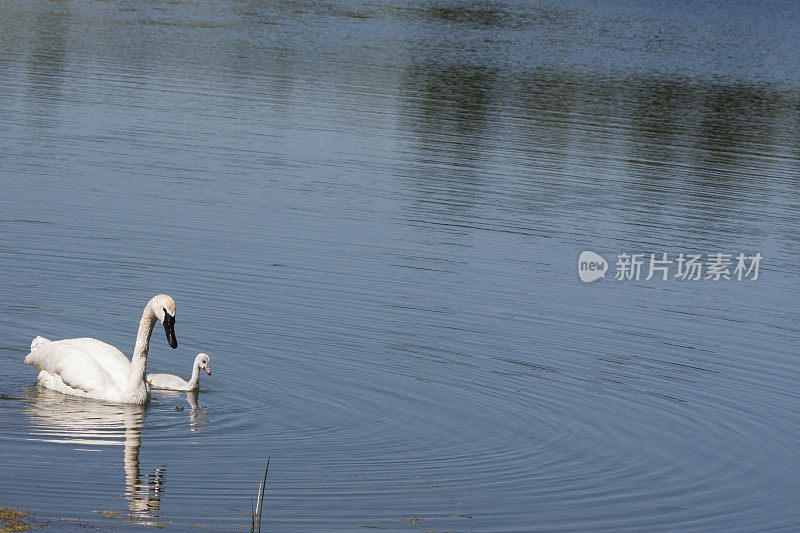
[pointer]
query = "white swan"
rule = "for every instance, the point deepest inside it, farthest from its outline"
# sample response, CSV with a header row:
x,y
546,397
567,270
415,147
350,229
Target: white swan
x,y
93,369
170,382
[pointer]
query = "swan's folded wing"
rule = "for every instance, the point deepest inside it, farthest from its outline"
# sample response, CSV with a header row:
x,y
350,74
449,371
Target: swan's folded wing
x,y
106,356
167,381
74,366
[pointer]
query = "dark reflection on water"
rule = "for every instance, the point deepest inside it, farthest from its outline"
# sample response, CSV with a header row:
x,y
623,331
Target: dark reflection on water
x,y
370,214
693,153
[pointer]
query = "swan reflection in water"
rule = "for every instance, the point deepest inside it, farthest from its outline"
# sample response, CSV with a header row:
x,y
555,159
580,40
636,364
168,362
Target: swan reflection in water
x,y
197,415
81,423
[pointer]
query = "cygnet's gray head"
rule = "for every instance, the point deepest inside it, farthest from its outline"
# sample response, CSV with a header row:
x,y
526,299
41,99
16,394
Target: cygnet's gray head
x,y
203,361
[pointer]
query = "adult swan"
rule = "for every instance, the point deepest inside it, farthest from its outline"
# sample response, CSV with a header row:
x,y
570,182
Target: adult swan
x,y
93,369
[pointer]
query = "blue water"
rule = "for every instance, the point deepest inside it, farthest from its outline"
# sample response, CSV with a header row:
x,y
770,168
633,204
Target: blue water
x,y
370,215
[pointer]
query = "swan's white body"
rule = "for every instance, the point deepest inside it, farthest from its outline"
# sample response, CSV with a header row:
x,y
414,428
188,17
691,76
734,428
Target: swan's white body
x,y
93,369
84,367
170,382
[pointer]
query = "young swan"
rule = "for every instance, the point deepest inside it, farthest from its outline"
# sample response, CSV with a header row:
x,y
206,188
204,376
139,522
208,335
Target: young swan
x,y
170,382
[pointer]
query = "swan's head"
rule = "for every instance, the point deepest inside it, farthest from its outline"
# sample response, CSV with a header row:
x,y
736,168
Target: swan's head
x,y
203,361
164,308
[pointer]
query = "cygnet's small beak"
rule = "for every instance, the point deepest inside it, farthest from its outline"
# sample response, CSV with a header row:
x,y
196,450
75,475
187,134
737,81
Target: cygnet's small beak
x,y
207,368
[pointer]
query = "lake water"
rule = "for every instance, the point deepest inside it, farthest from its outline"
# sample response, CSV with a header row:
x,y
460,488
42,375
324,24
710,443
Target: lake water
x,y
370,214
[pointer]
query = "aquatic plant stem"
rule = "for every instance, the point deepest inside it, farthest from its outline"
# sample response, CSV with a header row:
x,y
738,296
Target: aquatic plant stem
x,y
260,499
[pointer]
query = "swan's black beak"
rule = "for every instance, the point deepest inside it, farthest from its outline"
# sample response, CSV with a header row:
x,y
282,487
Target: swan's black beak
x,y
169,328
207,368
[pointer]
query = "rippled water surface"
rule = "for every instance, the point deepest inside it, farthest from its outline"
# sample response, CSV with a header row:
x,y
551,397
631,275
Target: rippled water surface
x,y
370,215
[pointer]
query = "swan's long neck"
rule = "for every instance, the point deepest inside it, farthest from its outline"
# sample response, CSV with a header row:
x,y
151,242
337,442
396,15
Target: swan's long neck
x,y
139,359
195,375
